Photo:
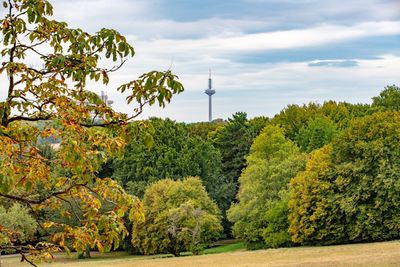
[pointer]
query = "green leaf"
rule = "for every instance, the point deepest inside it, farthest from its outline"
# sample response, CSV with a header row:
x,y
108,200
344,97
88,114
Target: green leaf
x,y
148,140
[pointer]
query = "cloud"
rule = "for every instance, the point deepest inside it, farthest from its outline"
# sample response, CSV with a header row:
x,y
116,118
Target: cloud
x,y
264,54
276,40
333,63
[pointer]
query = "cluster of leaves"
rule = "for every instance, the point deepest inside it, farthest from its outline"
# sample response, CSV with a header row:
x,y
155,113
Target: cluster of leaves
x,y
53,92
17,220
178,216
313,125
261,213
163,149
233,140
348,191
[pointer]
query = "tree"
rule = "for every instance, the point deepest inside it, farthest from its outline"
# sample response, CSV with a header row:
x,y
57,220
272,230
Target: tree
x,y
350,189
388,99
313,211
178,216
48,66
202,129
317,133
233,140
294,118
18,222
172,153
260,216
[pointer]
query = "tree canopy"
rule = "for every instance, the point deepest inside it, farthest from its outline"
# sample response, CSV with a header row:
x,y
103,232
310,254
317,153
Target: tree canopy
x,y
178,216
272,162
350,189
48,66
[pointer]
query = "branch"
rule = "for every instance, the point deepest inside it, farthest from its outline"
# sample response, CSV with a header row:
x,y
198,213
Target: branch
x,y
24,258
22,118
39,201
72,207
105,124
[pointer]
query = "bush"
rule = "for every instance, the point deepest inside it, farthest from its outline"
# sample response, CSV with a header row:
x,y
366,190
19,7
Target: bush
x,y
19,222
178,216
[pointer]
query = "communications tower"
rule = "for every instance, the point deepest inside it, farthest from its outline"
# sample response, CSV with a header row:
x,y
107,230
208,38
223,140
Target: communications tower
x,y
209,92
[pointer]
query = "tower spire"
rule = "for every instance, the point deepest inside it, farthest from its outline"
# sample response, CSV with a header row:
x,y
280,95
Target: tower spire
x,y
209,92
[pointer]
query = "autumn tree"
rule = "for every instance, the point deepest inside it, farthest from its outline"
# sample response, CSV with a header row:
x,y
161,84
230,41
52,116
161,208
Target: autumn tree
x,y
178,216
311,200
46,67
350,189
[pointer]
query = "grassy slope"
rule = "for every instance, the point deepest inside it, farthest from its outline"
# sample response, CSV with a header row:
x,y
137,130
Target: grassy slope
x,y
371,254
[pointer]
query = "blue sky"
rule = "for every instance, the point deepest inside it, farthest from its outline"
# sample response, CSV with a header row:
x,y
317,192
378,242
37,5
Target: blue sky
x,y
264,54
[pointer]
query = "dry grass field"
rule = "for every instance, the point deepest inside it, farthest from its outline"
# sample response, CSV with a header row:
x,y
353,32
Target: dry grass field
x,y
369,254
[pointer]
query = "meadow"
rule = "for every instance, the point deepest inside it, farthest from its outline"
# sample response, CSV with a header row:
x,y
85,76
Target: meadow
x,y
381,254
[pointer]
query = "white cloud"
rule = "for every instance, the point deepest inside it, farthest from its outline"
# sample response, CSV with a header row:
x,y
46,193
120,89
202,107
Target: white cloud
x,y
290,39
266,89
193,46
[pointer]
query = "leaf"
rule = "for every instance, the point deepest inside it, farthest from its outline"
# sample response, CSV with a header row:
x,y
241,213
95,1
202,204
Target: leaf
x,y
148,140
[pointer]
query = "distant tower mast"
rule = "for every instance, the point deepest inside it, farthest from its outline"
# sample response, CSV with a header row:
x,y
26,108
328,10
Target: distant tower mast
x,y
209,92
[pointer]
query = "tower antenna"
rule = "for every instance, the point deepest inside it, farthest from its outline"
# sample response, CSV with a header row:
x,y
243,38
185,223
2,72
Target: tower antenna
x,y
209,92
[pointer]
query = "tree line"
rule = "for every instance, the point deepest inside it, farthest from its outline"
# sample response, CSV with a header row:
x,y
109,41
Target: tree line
x,y
313,174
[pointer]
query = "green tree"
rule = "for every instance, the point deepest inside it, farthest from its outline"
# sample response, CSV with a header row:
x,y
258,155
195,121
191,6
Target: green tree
x,y
260,216
294,118
317,133
178,216
173,154
47,66
350,191
388,99
202,129
17,221
233,140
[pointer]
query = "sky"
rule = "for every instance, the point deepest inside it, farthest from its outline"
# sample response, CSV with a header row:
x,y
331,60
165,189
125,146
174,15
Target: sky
x,y
263,54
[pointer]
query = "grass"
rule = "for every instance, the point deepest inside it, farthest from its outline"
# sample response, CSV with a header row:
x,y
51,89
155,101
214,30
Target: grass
x,y
384,254
223,248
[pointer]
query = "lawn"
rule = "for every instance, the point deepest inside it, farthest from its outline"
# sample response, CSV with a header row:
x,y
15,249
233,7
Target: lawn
x,y
369,254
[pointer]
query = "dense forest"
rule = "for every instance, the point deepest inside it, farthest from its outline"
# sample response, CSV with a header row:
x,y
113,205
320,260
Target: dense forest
x,y
313,174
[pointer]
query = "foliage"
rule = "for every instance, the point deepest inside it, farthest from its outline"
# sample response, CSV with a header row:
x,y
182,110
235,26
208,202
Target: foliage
x,y
233,140
350,190
172,153
294,118
261,213
48,66
179,216
17,220
276,233
316,133
202,129
388,99
312,199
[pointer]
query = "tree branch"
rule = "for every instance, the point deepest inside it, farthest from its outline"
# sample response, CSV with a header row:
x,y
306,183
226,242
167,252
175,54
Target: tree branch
x,y
39,201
